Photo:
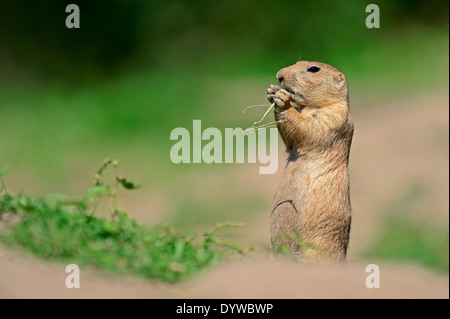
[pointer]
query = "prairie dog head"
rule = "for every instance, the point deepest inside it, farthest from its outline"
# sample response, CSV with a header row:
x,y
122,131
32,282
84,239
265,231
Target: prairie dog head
x,y
314,84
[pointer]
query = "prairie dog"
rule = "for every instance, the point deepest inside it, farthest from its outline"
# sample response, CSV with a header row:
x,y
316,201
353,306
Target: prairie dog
x,y
311,211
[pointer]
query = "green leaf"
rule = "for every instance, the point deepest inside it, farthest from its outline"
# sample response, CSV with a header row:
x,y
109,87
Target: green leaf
x,y
126,184
3,172
97,190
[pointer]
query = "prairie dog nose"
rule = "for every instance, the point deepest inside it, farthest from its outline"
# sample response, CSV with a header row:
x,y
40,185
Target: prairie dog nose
x,y
280,75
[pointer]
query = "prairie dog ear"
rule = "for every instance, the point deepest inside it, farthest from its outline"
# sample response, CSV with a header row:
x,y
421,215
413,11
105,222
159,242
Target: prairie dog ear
x,y
340,79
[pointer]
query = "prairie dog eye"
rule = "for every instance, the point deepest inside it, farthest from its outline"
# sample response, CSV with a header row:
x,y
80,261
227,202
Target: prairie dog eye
x,y
314,69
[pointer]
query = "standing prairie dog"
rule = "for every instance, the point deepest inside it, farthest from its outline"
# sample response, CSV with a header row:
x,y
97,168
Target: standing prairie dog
x,y
311,211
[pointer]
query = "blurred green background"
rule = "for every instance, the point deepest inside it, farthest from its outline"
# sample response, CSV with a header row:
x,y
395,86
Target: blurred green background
x,y
135,70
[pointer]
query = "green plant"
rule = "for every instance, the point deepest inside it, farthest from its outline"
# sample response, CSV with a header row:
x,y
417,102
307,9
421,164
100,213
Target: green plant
x,y
59,228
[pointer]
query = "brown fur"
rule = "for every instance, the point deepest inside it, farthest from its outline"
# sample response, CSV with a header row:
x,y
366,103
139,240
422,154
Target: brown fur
x,y
313,200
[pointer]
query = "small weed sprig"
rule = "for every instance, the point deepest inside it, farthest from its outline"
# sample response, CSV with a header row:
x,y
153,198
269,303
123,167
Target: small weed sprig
x,y
210,238
101,189
257,125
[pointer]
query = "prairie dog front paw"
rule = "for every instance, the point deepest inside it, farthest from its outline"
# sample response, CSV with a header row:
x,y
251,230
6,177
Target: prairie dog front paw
x,y
282,99
271,90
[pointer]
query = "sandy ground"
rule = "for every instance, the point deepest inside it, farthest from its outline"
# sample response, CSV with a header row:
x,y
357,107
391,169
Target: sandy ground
x,y
258,277
399,143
